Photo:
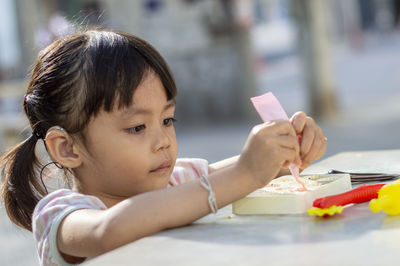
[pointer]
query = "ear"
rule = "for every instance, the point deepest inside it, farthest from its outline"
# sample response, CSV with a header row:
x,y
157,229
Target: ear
x,y
62,148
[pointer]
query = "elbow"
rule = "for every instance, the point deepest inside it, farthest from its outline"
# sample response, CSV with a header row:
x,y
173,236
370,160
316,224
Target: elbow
x,y
111,234
106,237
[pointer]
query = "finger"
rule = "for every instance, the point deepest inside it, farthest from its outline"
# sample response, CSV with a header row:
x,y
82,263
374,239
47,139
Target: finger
x,y
298,121
296,161
278,127
317,150
286,164
288,142
285,128
287,156
310,157
306,141
323,141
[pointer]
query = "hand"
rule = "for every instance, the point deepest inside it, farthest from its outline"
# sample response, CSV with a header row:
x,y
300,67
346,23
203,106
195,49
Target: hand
x,y
313,141
269,147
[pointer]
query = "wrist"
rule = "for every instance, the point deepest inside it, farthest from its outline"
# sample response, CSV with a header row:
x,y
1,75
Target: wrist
x,y
247,178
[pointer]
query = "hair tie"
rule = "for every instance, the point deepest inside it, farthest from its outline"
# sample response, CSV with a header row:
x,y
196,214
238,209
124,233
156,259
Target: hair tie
x,y
36,134
34,137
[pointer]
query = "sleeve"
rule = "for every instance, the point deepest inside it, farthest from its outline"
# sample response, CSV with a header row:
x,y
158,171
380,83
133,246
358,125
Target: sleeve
x,y
48,215
187,169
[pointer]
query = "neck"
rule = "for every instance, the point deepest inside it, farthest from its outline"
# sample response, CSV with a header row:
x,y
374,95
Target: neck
x,y
108,200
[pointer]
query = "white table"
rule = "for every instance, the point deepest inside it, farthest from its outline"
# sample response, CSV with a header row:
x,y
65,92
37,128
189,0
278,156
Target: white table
x,y
355,237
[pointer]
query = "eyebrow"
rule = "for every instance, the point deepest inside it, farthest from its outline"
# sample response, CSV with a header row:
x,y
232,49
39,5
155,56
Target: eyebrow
x,y
142,111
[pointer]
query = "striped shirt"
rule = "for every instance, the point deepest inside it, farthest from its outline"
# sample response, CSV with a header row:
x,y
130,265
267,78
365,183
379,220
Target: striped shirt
x,y
52,209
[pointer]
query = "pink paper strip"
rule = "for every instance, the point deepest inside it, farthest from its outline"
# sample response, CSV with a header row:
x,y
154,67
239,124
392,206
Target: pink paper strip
x,y
268,107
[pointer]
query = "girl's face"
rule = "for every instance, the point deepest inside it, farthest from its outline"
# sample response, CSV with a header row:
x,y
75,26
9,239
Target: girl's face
x,y
132,150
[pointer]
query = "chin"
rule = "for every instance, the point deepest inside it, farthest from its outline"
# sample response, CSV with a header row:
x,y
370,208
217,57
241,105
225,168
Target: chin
x,y
161,183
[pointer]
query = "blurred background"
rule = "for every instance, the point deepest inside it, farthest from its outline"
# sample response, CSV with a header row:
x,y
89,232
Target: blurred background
x,y
337,60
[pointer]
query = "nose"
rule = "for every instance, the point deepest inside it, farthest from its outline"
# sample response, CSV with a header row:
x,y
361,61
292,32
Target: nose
x,y
162,140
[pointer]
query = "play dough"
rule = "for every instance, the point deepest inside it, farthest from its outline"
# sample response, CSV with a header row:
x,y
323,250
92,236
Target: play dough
x,y
281,195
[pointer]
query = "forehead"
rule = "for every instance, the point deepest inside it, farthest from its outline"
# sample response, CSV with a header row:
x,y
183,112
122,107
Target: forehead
x,y
149,97
150,90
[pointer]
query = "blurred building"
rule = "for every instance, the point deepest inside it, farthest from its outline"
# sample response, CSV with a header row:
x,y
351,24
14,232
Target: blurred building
x,y
177,27
214,47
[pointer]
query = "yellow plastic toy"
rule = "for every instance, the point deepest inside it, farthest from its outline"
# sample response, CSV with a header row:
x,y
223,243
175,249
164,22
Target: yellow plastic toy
x,y
331,205
315,211
388,199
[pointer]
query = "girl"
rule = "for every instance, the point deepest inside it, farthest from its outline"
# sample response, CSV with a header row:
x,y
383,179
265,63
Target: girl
x,y
103,103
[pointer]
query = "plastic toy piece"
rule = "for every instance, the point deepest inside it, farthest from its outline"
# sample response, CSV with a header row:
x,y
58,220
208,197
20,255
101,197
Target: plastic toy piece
x,y
325,212
360,194
388,199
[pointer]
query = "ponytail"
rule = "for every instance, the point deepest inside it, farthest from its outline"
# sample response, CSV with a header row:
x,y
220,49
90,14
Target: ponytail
x,y
20,189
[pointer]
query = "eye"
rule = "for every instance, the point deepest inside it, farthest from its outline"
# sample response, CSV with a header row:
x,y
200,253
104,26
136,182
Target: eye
x,y
169,121
137,129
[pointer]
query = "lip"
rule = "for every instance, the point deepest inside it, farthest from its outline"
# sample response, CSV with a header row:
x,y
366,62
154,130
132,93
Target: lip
x,y
162,167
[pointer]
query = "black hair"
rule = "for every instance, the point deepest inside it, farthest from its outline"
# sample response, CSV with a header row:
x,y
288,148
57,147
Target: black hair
x,y
73,79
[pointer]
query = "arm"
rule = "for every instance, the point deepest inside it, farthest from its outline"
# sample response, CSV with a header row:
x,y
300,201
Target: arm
x,y
231,161
87,233
222,164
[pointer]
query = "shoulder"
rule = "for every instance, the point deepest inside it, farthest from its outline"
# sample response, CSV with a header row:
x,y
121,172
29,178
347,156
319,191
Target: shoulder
x,y
190,162
66,198
62,202
187,169
49,213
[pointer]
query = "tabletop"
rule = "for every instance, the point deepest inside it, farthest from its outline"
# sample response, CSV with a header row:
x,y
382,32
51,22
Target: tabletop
x,y
355,237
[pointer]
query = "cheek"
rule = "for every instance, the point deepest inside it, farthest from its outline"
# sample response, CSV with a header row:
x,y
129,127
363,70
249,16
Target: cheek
x,y
119,155
174,143
133,157
126,167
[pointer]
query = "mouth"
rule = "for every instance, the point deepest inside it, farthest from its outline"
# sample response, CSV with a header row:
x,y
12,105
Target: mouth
x,y
163,167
